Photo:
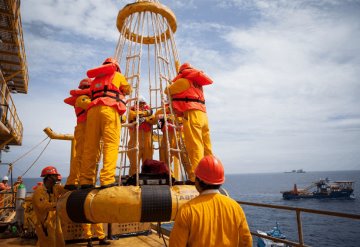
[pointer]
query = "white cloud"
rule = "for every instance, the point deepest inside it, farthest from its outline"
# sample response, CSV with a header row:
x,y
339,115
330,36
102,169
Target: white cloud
x,y
286,85
91,18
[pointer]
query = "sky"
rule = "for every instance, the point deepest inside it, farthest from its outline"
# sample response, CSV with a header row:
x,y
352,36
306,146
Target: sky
x,y
286,91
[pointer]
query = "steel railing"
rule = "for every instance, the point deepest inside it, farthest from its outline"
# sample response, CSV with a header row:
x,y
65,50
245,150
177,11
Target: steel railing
x,y
298,212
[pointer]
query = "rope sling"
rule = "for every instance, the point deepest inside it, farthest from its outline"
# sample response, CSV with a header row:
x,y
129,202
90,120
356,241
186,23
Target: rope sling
x,y
148,57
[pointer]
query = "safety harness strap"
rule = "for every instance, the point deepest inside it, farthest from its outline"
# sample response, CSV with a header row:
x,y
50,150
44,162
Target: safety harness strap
x,y
189,100
104,93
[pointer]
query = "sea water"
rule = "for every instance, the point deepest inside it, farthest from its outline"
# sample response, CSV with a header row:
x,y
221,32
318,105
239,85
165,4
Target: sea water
x,y
318,230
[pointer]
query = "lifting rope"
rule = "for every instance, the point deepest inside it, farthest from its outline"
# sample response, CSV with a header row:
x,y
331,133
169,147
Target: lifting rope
x,y
37,158
12,163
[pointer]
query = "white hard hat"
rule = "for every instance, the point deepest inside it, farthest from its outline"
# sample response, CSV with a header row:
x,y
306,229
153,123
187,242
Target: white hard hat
x,y
142,99
5,178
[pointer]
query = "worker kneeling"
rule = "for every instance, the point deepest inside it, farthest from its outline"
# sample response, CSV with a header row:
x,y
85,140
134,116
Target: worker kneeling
x,y
211,219
48,227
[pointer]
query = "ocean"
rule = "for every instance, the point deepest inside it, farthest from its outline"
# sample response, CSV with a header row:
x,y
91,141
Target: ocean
x,y
318,230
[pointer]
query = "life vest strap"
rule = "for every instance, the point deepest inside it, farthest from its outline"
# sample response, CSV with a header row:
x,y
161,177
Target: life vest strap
x,y
80,113
109,96
189,100
104,93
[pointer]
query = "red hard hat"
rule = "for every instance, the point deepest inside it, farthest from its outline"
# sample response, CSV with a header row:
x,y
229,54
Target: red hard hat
x,y
184,66
210,170
49,170
85,83
113,61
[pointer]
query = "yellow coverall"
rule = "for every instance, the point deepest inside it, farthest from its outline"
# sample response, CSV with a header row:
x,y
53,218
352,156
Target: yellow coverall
x,y
103,122
98,228
79,139
47,226
211,220
196,130
172,140
145,142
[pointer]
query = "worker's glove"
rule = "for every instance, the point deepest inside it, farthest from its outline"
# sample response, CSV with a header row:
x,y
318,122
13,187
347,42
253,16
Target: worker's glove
x,y
122,118
141,120
149,119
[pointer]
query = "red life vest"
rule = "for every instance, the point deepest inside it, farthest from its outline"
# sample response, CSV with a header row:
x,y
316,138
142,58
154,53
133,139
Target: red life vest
x,y
104,92
144,125
79,112
190,99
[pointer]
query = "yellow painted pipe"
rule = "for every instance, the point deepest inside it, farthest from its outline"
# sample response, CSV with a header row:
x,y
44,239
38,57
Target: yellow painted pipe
x,y
124,204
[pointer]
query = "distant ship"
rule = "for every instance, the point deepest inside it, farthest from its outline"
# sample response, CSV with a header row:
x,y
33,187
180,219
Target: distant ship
x,y
322,189
296,171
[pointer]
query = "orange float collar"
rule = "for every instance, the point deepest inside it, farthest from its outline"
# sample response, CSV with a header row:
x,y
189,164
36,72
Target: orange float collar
x,y
105,93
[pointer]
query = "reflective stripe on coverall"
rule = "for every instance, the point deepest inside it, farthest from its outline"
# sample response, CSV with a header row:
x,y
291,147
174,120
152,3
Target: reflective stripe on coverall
x,y
98,229
48,227
103,123
211,220
196,127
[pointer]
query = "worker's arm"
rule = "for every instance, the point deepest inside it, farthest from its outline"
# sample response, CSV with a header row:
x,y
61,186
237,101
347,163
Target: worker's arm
x,y
180,232
151,119
83,102
244,232
178,86
40,200
59,190
120,81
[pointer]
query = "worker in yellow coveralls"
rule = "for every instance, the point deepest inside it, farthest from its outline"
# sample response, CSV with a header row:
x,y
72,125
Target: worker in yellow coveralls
x,y
108,90
80,100
160,117
44,199
188,101
211,219
99,231
146,120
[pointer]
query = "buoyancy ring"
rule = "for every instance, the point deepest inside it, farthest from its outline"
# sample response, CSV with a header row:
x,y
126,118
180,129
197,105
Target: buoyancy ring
x,y
106,69
123,204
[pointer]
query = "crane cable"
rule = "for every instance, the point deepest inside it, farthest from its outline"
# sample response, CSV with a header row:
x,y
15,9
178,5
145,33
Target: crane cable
x,y
36,158
12,163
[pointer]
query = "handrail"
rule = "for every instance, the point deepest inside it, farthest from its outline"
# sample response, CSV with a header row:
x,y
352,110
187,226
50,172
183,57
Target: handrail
x,y
298,219
9,116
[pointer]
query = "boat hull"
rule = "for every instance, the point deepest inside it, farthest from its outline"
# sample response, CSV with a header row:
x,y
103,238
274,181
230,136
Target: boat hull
x,y
343,194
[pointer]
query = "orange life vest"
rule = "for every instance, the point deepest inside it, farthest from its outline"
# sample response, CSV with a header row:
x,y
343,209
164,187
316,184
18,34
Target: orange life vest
x,y
104,92
194,75
79,112
144,125
190,99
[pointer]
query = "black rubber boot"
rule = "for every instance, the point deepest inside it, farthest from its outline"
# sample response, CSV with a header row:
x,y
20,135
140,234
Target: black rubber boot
x,y
86,186
70,187
104,242
108,185
90,243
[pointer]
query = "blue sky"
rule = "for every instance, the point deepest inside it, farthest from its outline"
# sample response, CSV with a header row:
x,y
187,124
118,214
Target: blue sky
x,y
286,90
